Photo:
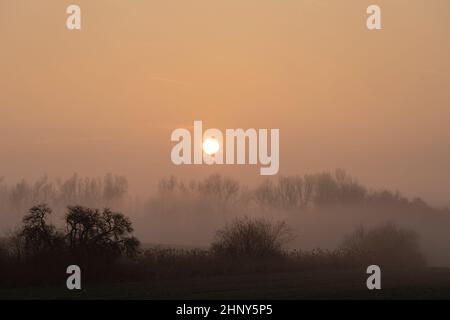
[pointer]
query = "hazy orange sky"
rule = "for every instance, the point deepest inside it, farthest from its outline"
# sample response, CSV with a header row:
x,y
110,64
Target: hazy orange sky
x,y
106,98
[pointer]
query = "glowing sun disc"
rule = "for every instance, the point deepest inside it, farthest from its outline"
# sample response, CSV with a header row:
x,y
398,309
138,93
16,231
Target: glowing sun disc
x,y
211,146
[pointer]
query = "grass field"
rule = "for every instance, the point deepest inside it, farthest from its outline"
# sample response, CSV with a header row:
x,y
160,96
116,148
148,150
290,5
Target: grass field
x,y
426,283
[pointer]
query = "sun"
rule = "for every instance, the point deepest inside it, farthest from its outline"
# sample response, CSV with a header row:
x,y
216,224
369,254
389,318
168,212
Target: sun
x,y
211,146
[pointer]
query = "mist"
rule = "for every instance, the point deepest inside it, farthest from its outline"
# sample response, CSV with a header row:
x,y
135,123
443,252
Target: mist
x,y
107,98
320,209
87,174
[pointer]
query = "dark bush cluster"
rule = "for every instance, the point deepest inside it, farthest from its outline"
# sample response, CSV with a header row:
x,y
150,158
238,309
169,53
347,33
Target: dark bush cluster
x,y
39,251
251,238
101,243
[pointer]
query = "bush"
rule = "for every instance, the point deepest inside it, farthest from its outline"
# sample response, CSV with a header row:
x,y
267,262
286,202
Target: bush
x,y
38,252
99,233
385,245
251,238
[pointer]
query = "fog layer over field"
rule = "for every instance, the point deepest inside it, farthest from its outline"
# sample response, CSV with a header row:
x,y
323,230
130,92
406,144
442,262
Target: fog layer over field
x,y
321,209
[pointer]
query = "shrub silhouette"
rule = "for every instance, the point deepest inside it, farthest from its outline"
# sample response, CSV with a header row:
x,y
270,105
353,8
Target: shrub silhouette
x,y
107,233
386,245
37,235
87,232
93,239
251,238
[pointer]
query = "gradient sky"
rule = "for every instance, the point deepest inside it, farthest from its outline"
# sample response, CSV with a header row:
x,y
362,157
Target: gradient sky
x,y
106,98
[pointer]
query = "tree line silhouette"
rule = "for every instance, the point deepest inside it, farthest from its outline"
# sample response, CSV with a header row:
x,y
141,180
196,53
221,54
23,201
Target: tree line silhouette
x,y
103,243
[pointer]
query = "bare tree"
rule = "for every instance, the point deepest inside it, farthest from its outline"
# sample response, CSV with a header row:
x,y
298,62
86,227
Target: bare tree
x,y
107,231
252,238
